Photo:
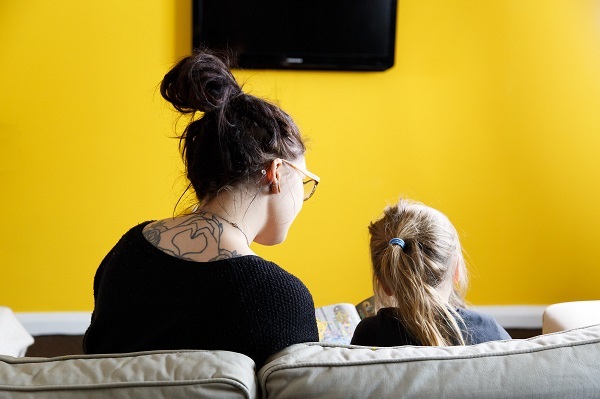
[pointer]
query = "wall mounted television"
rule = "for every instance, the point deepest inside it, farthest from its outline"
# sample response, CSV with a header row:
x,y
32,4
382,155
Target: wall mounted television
x,y
299,34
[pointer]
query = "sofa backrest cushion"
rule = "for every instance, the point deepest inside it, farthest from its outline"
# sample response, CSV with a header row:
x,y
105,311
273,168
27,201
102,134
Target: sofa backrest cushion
x,y
559,365
144,375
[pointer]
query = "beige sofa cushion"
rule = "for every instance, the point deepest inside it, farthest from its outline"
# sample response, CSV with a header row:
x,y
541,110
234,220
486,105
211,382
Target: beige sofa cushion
x,y
560,365
144,375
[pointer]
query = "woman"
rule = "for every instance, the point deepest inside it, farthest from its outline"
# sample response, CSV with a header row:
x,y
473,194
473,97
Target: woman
x,y
192,281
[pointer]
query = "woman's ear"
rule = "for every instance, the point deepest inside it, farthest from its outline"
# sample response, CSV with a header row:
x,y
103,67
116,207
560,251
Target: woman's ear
x,y
273,176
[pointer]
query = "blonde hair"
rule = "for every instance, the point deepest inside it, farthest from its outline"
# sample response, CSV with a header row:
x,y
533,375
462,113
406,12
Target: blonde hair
x,y
407,278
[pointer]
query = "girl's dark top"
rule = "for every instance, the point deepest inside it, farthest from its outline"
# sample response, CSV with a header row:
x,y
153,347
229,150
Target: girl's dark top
x,y
148,300
385,329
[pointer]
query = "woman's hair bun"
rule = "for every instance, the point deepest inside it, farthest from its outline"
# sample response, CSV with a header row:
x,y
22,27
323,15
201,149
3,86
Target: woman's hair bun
x,y
200,82
237,133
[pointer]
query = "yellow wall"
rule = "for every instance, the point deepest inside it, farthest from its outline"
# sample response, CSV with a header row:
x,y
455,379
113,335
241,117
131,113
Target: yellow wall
x,y
490,114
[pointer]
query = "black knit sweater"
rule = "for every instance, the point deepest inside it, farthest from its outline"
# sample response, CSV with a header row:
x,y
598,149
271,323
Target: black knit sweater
x,y
148,300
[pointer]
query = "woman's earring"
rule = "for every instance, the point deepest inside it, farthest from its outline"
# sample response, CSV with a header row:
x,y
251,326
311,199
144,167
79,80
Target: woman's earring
x,y
275,188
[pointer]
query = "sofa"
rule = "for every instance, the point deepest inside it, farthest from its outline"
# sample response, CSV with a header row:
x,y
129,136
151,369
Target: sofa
x,y
562,364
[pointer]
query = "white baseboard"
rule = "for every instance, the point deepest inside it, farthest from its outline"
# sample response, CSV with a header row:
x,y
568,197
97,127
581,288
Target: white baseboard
x,y
55,323
515,316
75,323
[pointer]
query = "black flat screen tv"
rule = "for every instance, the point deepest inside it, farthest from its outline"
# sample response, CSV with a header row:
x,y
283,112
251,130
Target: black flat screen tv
x,y
299,34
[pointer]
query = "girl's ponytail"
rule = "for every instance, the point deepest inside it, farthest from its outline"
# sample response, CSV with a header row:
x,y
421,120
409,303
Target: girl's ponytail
x,y
408,271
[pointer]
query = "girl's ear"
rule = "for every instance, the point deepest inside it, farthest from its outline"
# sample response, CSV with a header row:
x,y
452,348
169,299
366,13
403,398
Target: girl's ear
x,y
456,275
272,176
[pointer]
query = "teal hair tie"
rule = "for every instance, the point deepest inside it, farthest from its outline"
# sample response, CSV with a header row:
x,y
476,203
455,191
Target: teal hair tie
x,y
398,241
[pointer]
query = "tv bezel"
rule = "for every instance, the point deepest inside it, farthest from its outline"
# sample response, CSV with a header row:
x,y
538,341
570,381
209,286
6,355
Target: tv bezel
x,y
323,61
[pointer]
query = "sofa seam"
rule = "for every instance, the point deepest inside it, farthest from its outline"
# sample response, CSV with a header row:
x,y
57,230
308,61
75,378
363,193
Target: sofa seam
x,y
119,385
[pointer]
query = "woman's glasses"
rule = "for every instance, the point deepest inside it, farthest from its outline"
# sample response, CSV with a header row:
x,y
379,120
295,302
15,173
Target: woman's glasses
x,y
310,180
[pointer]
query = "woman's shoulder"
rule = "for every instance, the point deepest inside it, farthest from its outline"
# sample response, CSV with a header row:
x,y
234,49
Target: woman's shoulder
x,y
133,234
153,230
267,282
194,237
265,273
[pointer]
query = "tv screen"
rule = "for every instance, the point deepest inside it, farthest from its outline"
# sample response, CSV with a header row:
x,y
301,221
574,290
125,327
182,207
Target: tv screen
x,y
299,34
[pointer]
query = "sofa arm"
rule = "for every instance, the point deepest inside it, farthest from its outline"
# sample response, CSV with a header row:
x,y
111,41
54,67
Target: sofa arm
x,y
569,315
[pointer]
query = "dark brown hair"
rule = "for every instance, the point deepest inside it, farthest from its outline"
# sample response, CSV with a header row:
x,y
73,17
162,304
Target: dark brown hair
x,y
236,136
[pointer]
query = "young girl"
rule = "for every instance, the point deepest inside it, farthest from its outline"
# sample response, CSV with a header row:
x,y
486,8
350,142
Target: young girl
x,y
420,278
